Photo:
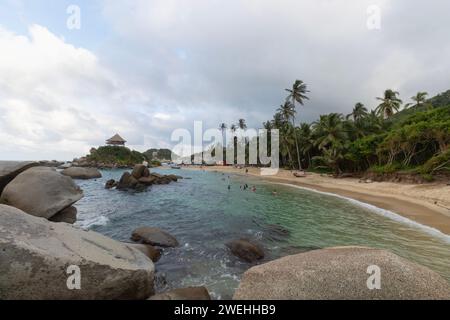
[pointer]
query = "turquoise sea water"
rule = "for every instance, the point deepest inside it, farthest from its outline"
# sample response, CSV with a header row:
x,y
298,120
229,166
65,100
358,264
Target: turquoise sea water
x,y
204,215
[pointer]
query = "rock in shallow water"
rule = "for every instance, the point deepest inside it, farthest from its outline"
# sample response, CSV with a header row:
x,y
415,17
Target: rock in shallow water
x,y
154,236
36,253
246,250
140,171
341,273
41,192
127,181
11,169
110,184
190,293
82,173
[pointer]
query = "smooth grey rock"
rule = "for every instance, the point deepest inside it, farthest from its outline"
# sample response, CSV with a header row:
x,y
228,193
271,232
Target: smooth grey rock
x,y
41,192
127,181
341,273
82,173
246,250
11,169
190,293
138,171
68,215
36,253
154,236
150,251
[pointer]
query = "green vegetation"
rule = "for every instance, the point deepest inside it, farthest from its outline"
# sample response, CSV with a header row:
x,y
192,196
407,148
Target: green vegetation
x,y
158,154
384,140
115,155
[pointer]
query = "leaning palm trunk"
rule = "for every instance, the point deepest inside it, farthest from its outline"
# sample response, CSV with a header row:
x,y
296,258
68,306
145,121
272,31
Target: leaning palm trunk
x,y
296,145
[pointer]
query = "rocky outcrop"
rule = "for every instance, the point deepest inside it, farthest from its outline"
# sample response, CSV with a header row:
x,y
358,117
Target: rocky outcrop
x,y
127,181
82,173
41,192
110,184
11,169
141,177
246,250
154,236
68,215
65,165
150,251
40,258
190,293
140,171
50,163
148,181
342,273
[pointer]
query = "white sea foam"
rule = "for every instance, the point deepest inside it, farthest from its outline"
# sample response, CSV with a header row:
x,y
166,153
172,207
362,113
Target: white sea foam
x,y
386,213
94,221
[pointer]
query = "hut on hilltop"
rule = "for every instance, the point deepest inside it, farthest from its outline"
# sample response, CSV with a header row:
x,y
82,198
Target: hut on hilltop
x,y
116,140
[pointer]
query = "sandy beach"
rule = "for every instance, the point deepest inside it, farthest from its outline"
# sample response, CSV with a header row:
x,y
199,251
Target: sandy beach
x,y
427,204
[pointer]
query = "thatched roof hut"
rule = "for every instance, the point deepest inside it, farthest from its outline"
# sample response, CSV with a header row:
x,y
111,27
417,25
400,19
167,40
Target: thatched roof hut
x,y
116,140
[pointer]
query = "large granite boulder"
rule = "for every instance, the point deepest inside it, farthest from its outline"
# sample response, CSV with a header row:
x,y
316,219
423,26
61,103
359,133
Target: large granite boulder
x,y
154,236
41,192
82,173
68,215
140,171
190,293
246,250
148,181
36,255
50,163
150,251
11,169
127,181
342,273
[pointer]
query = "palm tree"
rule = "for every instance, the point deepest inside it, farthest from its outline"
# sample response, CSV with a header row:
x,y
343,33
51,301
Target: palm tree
x,y
268,125
306,141
297,94
420,99
223,128
286,135
242,125
330,158
286,110
329,131
359,112
390,103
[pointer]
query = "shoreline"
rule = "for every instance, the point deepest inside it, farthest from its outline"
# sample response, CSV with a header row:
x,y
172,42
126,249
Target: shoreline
x,y
411,201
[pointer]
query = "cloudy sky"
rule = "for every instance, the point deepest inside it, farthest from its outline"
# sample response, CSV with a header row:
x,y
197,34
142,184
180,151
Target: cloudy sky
x,y
146,67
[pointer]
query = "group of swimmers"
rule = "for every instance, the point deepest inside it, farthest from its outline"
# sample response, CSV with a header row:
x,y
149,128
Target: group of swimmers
x,y
245,187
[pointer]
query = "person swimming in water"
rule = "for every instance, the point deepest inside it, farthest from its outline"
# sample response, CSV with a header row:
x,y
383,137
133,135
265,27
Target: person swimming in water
x,y
229,187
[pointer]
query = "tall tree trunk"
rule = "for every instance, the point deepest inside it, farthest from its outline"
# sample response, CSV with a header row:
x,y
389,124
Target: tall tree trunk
x,y
295,137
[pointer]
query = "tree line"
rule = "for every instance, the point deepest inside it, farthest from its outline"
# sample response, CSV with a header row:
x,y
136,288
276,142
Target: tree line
x,y
392,136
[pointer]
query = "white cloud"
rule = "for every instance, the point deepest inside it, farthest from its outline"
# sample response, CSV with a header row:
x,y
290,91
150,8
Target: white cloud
x,y
167,63
58,100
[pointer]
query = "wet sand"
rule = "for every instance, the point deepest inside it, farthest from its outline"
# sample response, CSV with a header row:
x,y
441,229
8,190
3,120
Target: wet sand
x,y
427,204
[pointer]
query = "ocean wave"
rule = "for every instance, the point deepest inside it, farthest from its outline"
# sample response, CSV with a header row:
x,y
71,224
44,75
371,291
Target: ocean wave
x,y
383,212
91,222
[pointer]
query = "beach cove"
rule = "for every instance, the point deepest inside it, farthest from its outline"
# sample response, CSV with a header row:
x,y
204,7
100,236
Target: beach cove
x,y
204,215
